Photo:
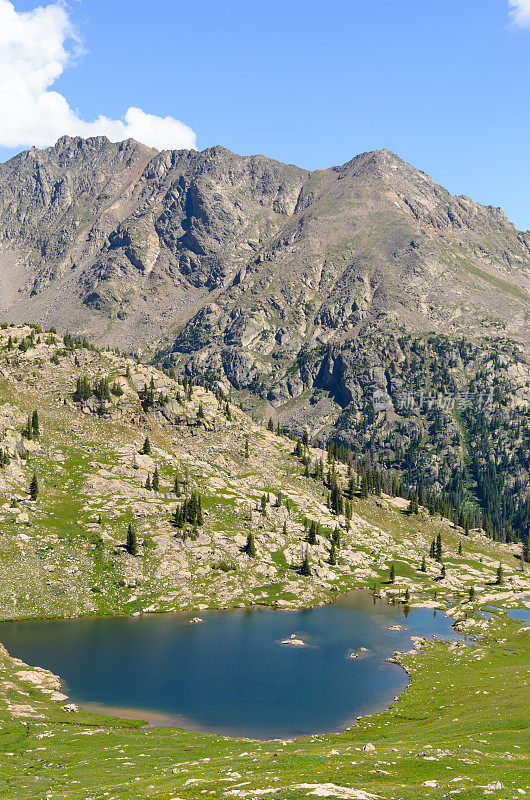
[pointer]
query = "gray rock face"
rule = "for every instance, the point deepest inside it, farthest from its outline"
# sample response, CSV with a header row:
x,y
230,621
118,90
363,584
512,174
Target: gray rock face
x,y
123,243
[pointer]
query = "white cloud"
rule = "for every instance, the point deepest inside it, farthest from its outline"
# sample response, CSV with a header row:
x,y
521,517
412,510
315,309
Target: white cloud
x,y
35,48
520,13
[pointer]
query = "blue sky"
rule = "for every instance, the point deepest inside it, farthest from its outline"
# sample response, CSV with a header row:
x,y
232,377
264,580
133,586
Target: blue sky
x,y
443,84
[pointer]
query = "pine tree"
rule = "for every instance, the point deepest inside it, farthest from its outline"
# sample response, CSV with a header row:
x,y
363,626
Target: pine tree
x,y
83,390
176,486
432,550
35,424
247,454
364,486
392,577
250,546
284,528
413,504
27,431
305,568
156,480
333,554
132,541
439,547
199,515
442,573
200,412
146,449
148,482
407,595
459,548
34,487
177,518
471,593
312,535
423,565
500,575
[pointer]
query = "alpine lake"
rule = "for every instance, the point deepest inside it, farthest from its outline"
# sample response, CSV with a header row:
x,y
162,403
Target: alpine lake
x,y
258,673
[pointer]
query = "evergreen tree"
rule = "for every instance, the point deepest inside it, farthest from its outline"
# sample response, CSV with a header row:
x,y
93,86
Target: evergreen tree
x,y
155,483
423,565
270,426
305,568
200,412
500,576
459,548
83,390
132,541
392,576
364,486
413,504
250,546
247,454
148,482
27,431
439,547
176,486
333,554
471,593
432,550
407,595
336,504
284,528
35,424
442,573
199,519
177,518
312,535
146,449
34,487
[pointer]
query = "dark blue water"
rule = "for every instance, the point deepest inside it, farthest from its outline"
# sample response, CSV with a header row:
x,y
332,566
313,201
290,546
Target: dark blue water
x,y
229,674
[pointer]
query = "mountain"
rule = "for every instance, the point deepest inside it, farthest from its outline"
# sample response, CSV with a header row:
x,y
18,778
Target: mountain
x,y
362,303
130,244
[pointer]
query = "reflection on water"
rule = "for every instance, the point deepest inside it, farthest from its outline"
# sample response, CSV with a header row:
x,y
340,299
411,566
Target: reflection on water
x,y
230,674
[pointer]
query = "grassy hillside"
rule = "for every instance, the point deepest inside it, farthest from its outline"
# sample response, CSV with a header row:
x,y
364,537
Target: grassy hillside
x,y
461,722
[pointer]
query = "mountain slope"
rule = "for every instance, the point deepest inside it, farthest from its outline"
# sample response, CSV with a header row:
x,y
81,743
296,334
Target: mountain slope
x,y
362,303
64,552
